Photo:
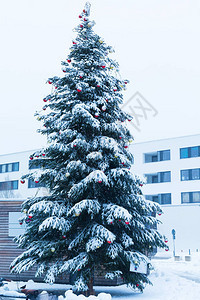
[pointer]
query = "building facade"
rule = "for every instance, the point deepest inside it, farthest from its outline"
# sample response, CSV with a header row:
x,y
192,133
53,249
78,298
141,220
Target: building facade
x,y
171,168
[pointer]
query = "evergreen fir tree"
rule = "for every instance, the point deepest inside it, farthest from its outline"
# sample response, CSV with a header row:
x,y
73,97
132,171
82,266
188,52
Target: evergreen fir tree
x,y
95,217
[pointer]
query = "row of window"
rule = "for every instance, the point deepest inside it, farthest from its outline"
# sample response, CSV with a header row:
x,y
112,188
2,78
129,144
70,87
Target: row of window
x,y
186,197
189,174
13,185
14,167
158,177
11,167
190,197
186,152
160,198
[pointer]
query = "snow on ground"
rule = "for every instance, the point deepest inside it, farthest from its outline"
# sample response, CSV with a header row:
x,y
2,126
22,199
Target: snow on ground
x,y
172,280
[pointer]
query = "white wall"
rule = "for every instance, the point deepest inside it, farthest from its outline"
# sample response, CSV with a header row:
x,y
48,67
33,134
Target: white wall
x,y
186,221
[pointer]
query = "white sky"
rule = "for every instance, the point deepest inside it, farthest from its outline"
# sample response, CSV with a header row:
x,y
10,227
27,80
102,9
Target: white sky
x,y
157,45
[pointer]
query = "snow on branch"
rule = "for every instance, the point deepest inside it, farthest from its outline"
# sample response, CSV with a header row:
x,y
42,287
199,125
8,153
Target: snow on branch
x,y
48,206
92,207
114,212
75,264
136,257
102,232
54,222
79,111
79,238
112,275
96,176
113,250
93,244
23,265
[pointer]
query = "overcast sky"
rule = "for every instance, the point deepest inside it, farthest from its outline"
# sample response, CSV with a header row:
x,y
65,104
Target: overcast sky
x,y
157,45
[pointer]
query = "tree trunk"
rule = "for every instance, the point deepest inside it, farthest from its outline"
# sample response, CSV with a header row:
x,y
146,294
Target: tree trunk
x,y
90,290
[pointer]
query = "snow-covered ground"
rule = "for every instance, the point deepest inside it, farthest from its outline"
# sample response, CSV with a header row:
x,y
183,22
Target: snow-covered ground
x,y
171,280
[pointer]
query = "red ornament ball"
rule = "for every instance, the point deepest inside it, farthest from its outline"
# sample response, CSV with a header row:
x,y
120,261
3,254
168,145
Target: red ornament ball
x,y
45,100
31,157
109,242
100,181
137,284
79,90
80,16
74,145
125,146
22,181
69,60
120,137
74,43
81,26
127,223
50,82
64,236
43,154
166,249
20,223
36,181
30,216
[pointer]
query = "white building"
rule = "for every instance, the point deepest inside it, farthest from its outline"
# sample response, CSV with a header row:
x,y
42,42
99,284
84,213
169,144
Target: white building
x,y
12,167
171,167
172,171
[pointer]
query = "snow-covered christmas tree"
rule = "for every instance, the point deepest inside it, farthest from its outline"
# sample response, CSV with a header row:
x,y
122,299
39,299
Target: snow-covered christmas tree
x,y
95,217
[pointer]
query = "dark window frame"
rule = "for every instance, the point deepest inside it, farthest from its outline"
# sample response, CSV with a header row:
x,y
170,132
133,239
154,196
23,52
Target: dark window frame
x,y
6,166
9,185
191,194
190,177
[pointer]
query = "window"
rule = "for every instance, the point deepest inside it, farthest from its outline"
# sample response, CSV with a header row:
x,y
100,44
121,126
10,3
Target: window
x,y
150,157
9,185
164,155
185,197
165,176
33,184
191,174
184,153
190,197
184,175
154,179
11,167
158,177
34,164
160,198
190,152
165,198
15,229
195,174
157,156
194,151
